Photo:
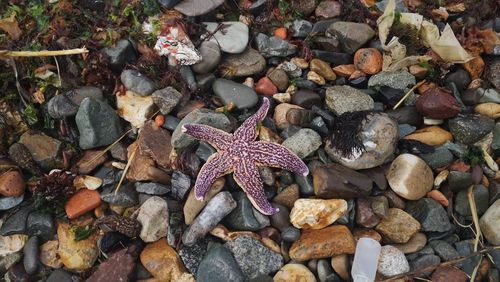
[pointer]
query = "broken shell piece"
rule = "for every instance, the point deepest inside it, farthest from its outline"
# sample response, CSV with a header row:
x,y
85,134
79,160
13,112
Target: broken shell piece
x,y
87,181
440,178
119,165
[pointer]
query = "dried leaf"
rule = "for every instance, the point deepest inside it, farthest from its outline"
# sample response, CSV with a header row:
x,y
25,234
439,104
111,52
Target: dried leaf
x,y
11,26
445,45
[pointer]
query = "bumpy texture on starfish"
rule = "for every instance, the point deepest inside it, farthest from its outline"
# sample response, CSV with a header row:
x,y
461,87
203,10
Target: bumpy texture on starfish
x,y
241,154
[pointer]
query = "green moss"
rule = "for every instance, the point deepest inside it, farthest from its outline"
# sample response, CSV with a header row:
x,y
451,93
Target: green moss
x,y
473,156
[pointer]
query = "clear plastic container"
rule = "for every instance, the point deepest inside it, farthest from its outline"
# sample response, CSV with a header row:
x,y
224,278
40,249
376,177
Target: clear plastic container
x,y
364,267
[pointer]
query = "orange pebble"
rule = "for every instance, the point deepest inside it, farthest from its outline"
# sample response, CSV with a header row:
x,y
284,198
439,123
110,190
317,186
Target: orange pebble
x,y
266,87
438,197
281,32
82,202
159,120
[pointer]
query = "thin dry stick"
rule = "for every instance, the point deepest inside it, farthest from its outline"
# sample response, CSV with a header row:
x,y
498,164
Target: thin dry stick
x,y
408,94
432,267
44,53
475,219
109,147
125,171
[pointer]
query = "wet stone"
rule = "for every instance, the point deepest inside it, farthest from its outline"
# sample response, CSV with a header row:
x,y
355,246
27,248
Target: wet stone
x,y
430,214
444,250
126,196
336,181
273,46
181,184
123,53
7,203
166,99
229,91
41,225
248,63
219,265
16,223
351,35
441,157
470,128
30,259
242,217
481,198
98,124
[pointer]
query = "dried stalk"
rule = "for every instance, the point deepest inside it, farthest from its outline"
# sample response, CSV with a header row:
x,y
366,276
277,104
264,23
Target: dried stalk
x,y
43,53
130,160
408,94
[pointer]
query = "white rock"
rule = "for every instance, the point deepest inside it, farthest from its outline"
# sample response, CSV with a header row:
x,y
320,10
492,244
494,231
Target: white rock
x,y
392,261
410,177
233,38
316,213
489,223
294,272
153,216
12,244
134,108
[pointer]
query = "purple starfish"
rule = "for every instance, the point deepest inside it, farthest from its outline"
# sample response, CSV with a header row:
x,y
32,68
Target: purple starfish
x,y
241,154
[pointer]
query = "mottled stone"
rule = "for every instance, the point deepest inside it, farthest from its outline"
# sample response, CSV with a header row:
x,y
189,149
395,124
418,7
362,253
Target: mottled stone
x,y
398,227
254,258
392,261
45,150
248,63
342,99
316,213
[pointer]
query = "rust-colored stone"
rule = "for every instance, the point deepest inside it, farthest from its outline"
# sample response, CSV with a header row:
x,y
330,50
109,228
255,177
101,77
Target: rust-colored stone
x,y
323,243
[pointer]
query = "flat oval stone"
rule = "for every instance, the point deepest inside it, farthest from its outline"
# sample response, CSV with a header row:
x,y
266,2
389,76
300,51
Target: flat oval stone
x,y
248,63
410,177
438,104
229,91
210,57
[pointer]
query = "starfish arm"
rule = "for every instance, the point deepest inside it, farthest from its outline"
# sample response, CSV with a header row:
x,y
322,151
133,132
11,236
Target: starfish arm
x,y
275,155
248,178
248,130
216,166
216,137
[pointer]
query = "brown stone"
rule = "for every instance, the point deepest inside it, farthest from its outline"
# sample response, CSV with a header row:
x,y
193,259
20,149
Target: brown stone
x,y
143,167
189,107
323,243
398,227
317,213
120,266
491,110
279,78
431,135
359,233
294,272
368,60
328,9
438,197
287,196
162,261
280,114
336,181
265,87
82,202
322,68
340,264
364,213
475,67
418,71
448,274
438,103
154,141
344,70
12,184
415,244
91,160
